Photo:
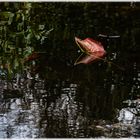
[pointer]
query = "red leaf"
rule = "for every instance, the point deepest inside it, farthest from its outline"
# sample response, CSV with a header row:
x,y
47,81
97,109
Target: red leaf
x,y
32,57
92,48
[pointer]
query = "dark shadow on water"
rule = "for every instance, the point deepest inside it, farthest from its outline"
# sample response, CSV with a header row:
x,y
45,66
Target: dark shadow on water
x,y
49,97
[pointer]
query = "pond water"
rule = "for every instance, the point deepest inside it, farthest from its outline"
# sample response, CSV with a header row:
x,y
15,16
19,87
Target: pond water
x,y
55,99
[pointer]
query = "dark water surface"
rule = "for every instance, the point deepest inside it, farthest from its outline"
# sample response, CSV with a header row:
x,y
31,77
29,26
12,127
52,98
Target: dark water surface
x,y
60,100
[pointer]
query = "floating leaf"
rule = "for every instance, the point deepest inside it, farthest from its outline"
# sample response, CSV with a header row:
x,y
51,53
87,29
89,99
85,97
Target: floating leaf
x,y
92,48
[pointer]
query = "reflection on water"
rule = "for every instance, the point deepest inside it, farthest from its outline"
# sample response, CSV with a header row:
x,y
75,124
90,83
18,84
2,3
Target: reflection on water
x,y
39,116
18,122
49,97
52,109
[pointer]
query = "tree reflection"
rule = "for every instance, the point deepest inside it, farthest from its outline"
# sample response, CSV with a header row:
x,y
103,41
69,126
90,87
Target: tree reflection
x,y
50,97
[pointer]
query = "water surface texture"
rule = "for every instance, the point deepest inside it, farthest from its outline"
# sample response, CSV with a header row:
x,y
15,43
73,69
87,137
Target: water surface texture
x,y
42,93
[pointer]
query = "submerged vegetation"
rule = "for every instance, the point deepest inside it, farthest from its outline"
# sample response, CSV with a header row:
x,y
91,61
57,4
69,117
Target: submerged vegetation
x,y
19,35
